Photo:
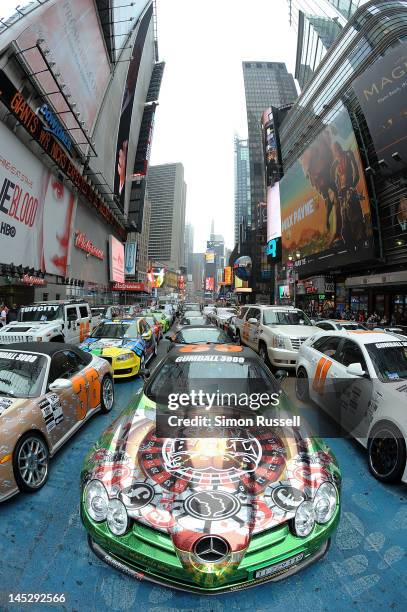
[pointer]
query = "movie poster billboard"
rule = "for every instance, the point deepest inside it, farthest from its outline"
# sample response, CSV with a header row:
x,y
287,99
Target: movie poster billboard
x,y
36,210
130,258
127,108
325,211
381,91
72,33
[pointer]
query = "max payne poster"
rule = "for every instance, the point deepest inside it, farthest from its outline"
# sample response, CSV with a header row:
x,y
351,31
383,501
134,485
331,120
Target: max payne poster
x,y
382,93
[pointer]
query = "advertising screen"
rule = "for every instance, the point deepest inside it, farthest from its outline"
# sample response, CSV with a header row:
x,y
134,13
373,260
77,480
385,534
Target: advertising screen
x,y
273,212
130,255
116,258
325,211
209,284
381,91
71,32
210,257
228,275
127,107
36,210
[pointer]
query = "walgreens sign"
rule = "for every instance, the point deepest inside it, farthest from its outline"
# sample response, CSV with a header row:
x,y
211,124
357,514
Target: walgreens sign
x,y
84,244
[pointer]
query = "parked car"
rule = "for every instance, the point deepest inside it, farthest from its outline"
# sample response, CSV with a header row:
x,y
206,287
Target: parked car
x,y
339,324
57,321
222,315
208,514
275,332
198,334
360,379
48,390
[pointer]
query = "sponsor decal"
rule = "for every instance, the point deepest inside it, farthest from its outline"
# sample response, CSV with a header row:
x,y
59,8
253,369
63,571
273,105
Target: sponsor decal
x,y
5,403
212,505
279,567
287,498
51,411
138,495
18,356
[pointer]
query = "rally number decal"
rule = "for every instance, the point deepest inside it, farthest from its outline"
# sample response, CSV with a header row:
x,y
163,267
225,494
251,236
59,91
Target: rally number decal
x,y
320,374
86,385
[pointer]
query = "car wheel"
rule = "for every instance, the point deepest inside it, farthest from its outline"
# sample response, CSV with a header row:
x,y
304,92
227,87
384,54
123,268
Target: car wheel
x,y
107,395
386,452
302,385
30,462
263,353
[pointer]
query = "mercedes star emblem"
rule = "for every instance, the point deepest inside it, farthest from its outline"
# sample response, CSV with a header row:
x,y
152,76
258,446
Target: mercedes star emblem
x,y
211,549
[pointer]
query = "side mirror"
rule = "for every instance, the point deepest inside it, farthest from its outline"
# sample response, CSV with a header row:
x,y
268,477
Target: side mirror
x,y
355,369
60,384
281,375
144,373
313,322
253,320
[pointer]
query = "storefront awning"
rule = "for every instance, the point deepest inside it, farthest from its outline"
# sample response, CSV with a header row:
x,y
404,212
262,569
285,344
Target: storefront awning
x,y
390,278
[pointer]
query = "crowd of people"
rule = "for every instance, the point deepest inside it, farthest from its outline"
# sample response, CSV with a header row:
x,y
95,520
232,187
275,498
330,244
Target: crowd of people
x,y
370,320
8,314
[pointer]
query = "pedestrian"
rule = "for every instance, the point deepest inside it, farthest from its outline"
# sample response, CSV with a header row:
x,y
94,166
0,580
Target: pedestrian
x,y
12,314
3,315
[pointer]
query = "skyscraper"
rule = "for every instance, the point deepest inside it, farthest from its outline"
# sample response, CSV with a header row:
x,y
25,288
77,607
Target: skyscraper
x,y
188,247
167,192
242,185
266,84
318,23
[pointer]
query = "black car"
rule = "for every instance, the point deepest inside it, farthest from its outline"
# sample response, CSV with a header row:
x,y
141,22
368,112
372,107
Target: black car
x,y
198,334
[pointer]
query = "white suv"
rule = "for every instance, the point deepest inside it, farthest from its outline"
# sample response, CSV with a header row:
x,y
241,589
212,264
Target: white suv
x,y
61,321
275,332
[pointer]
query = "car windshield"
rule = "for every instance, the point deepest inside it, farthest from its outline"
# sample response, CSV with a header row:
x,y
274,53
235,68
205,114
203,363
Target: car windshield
x,y
21,374
192,313
222,312
201,335
389,359
115,330
44,312
240,377
192,307
351,326
193,321
286,317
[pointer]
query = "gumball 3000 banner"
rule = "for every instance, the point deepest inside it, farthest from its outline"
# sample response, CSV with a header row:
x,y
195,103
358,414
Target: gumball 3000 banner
x,y
36,210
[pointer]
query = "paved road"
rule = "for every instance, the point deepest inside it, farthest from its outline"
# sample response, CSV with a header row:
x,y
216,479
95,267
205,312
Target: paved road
x,y
43,547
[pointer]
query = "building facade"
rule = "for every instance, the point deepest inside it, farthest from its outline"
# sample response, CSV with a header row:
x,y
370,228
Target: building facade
x,y
65,214
198,267
167,191
242,184
188,247
344,192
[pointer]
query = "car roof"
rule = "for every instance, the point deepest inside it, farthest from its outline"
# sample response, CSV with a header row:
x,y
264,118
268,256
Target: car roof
x,y
234,350
361,336
43,348
201,327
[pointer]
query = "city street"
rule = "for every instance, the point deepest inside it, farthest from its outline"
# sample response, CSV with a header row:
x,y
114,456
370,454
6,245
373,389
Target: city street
x,y
43,547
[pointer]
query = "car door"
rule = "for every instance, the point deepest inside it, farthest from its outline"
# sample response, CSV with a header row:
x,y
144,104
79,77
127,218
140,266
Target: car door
x,y
74,400
147,337
72,327
84,322
254,328
353,394
322,356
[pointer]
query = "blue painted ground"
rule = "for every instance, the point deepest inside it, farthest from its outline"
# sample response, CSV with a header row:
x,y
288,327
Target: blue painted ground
x,y
43,548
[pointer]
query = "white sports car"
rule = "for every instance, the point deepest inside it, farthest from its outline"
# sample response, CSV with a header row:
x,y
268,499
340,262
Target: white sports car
x,y
360,379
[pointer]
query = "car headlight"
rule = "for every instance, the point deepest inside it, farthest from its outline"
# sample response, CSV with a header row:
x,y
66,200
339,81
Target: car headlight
x,y
325,502
125,357
96,500
304,520
117,518
279,341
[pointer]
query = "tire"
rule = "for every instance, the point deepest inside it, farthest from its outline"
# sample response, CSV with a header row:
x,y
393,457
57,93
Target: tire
x,y
386,452
31,462
302,385
263,353
107,394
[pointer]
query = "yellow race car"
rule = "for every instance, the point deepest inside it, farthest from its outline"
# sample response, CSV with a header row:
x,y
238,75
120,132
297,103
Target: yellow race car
x,y
126,344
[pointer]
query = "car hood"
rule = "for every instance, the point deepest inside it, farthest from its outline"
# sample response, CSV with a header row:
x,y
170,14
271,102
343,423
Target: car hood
x,y
233,487
112,346
300,331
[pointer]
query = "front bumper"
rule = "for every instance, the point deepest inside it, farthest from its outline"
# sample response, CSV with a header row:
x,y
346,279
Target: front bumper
x,y
283,358
147,554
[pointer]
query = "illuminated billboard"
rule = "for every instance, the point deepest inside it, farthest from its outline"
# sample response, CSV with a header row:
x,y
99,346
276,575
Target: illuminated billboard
x,y
156,277
116,259
273,212
381,91
130,257
228,275
210,256
325,211
209,284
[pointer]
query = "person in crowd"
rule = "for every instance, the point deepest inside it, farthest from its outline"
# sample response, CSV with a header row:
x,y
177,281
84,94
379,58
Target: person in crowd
x,y
3,315
12,313
384,321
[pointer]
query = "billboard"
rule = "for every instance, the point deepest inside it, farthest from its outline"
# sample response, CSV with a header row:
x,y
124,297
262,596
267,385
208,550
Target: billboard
x,y
381,91
210,257
116,259
123,16
228,275
130,256
325,211
273,212
71,32
127,108
209,283
36,210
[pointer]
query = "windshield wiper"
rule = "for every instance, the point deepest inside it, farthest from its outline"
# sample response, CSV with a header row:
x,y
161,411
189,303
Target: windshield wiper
x,y
7,394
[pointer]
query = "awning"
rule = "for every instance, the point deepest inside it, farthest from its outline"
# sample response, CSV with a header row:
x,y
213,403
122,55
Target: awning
x,y
375,280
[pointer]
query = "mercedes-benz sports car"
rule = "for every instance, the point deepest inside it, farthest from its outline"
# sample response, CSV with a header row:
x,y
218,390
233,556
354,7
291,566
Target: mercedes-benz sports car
x,y
126,344
48,390
225,509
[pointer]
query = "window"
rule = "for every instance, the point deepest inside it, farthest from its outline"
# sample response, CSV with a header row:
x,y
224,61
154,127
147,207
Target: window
x,y
327,345
83,310
71,313
325,326
64,364
242,312
254,313
351,353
